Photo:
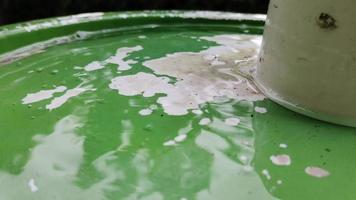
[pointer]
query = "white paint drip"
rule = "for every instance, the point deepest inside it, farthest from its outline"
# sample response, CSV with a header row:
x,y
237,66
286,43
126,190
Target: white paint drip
x,y
317,172
232,121
198,81
281,160
32,185
93,66
146,112
283,146
121,54
204,121
260,110
59,101
42,95
265,172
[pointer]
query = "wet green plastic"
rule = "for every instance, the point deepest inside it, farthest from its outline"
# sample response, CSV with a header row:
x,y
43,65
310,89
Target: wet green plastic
x,y
84,150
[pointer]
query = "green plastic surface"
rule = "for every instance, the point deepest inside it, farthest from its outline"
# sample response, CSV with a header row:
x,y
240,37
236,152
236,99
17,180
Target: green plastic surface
x,y
97,146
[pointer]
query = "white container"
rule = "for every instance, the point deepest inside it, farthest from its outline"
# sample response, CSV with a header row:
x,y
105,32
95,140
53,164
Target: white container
x,y
308,58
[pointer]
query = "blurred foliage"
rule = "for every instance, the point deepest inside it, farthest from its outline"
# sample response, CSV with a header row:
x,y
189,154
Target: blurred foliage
x,y
21,10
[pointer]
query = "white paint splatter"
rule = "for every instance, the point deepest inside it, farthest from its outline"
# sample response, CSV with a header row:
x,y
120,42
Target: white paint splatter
x,y
221,15
146,112
142,83
232,121
77,68
198,81
121,54
283,146
317,172
281,160
265,172
153,107
93,66
279,182
59,101
217,63
197,112
204,121
260,110
210,57
170,143
243,158
42,95
32,185
248,168
180,138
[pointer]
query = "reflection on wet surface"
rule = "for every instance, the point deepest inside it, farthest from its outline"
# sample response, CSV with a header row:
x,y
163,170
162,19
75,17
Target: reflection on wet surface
x,y
101,144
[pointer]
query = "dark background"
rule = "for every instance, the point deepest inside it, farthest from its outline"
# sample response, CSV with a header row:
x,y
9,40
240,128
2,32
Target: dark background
x,y
12,11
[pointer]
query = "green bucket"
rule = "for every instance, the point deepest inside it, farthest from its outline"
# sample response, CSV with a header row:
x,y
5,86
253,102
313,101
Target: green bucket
x,y
151,105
